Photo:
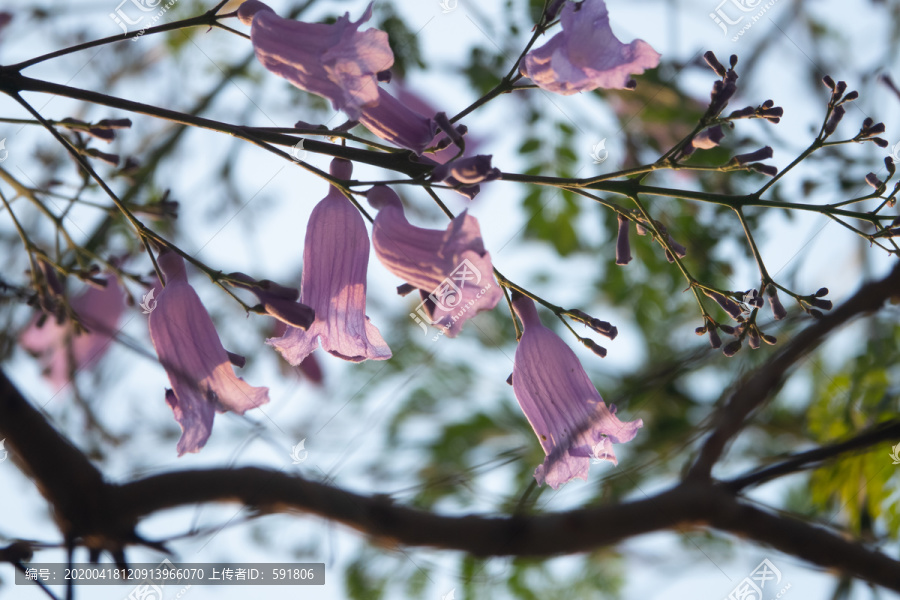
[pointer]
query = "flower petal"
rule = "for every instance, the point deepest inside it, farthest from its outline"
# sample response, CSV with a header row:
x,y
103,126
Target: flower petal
x,y
562,405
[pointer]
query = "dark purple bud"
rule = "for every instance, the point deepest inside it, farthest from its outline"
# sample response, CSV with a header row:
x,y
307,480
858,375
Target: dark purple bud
x,y
384,76
874,129
840,88
828,81
276,300
447,127
714,63
466,171
727,304
708,138
753,339
868,122
761,154
821,292
880,142
777,111
623,245
889,165
872,179
714,340
733,60
815,313
113,123
604,328
721,95
823,304
769,339
594,347
769,170
727,329
509,379
731,348
236,359
834,119
49,272
405,289
679,250
778,310
743,112
700,330
851,96
111,159
443,143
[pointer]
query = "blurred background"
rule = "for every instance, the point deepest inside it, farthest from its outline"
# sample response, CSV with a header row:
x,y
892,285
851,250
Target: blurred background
x,y
437,427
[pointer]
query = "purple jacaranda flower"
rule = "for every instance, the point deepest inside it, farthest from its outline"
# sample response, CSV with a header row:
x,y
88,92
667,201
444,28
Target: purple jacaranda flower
x,y
335,61
335,259
586,55
564,408
393,121
451,269
60,349
199,368
464,174
277,300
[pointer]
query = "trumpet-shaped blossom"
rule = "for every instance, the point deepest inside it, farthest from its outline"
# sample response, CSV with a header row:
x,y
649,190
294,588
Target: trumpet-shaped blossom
x,y
199,368
393,121
60,349
451,269
564,408
586,55
335,259
335,61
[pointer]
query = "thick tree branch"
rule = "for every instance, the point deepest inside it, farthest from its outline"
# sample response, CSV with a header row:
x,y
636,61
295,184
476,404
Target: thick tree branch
x,y
761,384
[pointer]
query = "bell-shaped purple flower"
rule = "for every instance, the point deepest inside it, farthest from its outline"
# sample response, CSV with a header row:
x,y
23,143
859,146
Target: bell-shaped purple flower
x,y
393,121
586,55
564,408
451,269
199,368
335,260
335,61
99,308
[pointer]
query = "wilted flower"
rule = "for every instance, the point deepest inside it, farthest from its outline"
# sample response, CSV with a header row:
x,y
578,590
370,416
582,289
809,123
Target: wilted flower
x,y
61,349
199,368
451,268
335,61
586,55
562,405
335,259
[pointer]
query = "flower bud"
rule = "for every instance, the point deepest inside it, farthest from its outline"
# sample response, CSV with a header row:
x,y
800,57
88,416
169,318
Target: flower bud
x,y
778,310
623,246
823,304
753,339
714,340
821,292
727,304
714,63
732,348
770,339
761,154
594,347
833,120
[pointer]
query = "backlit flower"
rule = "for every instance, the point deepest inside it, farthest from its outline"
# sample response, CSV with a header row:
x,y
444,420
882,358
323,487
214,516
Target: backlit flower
x,y
450,268
564,408
586,55
335,260
199,368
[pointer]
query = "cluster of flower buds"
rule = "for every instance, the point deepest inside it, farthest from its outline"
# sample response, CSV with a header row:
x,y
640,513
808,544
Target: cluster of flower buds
x,y
723,89
749,160
602,327
814,304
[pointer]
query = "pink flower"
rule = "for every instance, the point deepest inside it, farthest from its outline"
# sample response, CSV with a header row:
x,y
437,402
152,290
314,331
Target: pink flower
x,y
199,368
335,260
451,268
563,406
586,55
99,309
335,61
